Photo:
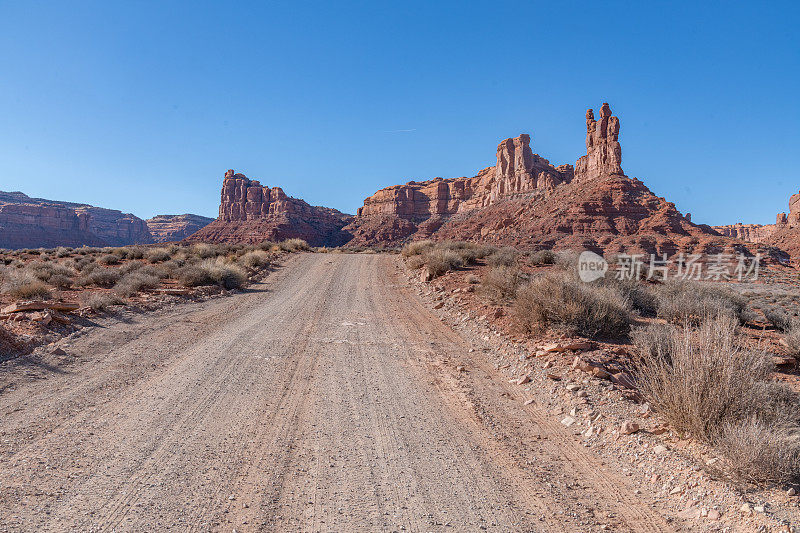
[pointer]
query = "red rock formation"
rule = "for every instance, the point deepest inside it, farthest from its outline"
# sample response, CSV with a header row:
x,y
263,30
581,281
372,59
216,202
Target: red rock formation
x,y
747,232
524,201
171,228
34,222
252,213
603,151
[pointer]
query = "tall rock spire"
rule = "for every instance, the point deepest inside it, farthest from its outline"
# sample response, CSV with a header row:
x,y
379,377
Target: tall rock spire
x,y
603,152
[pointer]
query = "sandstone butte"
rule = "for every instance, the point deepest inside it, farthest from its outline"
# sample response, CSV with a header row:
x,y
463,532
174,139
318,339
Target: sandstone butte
x,y
250,212
170,228
784,234
34,222
525,201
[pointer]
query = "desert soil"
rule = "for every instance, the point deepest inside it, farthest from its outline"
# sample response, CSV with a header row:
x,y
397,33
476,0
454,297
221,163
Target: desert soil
x,y
326,398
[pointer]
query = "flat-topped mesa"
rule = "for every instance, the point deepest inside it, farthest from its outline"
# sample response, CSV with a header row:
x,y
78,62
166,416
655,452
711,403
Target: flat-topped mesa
x,y
603,151
517,171
245,199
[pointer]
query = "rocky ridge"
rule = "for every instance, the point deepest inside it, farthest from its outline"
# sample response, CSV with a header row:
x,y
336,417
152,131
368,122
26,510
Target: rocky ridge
x,y
27,222
527,202
250,212
169,228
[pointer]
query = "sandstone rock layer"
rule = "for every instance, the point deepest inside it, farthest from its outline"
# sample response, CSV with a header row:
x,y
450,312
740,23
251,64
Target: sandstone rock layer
x,y
252,213
34,222
170,228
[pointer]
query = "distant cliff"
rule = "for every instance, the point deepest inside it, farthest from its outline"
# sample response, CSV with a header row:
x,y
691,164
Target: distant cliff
x,y
27,222
169,228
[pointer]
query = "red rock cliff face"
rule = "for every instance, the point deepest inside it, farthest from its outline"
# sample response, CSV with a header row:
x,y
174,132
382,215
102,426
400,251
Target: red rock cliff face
x,y
525,201
170,228
34,222
250,212
517,171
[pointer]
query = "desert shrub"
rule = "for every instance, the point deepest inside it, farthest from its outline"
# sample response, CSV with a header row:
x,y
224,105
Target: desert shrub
x,y
500,283
469,252
295,245
416,248
157,255
109,259
439,261
130,266
23,284
213,272
415,261
641,296
134,282
559,301
542,257
99,277
60,281
62,251
567,258
203,250
101,301
792,339
705,383
505,256
255,259
161,271
44,271
778,318
267,246
691,302
472,279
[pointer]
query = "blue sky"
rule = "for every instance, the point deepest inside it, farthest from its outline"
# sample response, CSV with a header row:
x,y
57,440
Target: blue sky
x,y
142,106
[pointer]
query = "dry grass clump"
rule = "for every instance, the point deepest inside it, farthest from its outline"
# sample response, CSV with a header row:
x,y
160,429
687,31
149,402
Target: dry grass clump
x,y
22,284
416,248
135,282
705,383
559,301
505,256
213,272
779,318
157,255
99,277
295,245
500,283
439,258
109,259
101,301
542,257
255,259
691,302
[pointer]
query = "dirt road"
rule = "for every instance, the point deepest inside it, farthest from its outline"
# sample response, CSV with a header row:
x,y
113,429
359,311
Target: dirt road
x,y
325,399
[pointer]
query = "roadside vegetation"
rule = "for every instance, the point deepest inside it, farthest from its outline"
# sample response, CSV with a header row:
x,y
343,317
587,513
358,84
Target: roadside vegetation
x,y
689,359
103,277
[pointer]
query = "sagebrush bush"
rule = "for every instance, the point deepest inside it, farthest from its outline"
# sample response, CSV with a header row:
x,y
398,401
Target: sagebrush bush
x,y
109,259
135,282
559,301
500,283
416,248
99,277
60,281
22,284
705,383
505,256
692,302
778,318
255,259
542,257
213,272
157,255
101,301
439,261
295,245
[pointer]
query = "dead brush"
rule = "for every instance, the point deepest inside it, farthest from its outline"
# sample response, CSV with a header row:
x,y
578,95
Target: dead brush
x,y
706,384
561,302
691,302
22,284
500,283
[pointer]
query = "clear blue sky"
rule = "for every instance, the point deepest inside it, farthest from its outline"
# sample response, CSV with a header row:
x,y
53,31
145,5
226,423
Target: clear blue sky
x,y
142,106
